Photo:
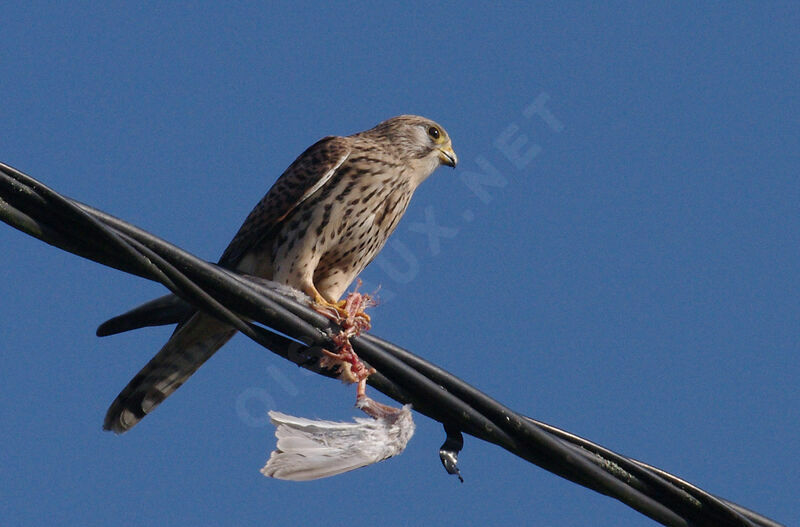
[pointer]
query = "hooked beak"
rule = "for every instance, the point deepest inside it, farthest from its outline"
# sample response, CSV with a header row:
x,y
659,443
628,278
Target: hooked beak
x,y
447,156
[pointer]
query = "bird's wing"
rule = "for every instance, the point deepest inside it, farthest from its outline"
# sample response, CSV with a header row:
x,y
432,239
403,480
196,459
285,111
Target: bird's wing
x,y
307,175
168,309
317,449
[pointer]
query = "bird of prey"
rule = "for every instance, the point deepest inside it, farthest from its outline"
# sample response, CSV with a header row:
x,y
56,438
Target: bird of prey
x,y
321,223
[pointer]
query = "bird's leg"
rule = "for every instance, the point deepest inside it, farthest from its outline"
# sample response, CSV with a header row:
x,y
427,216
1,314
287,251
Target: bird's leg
x,y
332,310
348,312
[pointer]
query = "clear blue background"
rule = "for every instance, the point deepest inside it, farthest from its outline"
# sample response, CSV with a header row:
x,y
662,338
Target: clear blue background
x,y
636,282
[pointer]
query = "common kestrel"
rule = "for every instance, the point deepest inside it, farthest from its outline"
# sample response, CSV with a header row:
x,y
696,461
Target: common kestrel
x,y
321,223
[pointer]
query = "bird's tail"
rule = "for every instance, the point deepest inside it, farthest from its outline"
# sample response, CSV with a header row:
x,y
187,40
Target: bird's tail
x,y
192,343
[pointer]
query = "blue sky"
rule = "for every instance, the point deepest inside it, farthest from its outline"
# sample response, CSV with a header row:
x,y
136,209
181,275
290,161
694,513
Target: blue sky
x,y
630,276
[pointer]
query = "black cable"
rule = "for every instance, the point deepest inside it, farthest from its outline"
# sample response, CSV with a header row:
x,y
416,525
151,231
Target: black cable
x,y
297,333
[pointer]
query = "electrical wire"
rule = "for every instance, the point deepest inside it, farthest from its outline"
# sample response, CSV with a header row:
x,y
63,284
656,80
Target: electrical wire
x,y
297,333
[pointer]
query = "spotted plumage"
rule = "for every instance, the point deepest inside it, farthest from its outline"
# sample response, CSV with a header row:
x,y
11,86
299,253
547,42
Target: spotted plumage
x,y
320,224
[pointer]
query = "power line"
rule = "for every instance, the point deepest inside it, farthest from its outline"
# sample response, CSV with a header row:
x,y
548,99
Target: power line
x,y
298,333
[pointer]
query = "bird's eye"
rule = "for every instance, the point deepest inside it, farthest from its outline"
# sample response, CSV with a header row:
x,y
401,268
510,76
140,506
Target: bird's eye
x,y
434,132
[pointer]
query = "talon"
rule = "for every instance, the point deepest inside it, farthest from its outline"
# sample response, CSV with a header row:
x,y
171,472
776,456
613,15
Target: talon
x,y
348,313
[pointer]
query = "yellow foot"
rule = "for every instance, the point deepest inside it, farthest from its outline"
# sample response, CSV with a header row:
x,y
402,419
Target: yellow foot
x,y
333,310
348,313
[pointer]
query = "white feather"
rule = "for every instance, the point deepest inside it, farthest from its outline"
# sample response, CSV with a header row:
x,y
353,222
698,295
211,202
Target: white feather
x,y
309,449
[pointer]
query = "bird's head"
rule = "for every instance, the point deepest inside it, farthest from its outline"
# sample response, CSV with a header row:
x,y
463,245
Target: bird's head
x,y
418,141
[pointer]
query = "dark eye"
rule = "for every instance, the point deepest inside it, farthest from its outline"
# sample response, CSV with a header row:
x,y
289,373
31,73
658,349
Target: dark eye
x,y
433,132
